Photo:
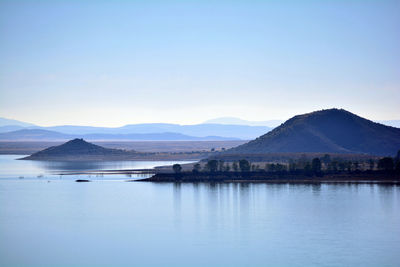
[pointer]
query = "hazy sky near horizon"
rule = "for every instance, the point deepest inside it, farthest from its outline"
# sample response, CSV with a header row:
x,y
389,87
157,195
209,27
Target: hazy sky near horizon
x,y
110,63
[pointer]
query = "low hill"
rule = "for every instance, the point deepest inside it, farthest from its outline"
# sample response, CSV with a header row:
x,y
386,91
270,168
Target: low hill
x,y
326,131
77,148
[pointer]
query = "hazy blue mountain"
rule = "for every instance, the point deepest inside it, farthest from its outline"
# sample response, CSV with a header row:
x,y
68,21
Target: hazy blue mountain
x,y
34,135
167,136
42,135
331,131
9,128
238,121
199,130
9,122
127,129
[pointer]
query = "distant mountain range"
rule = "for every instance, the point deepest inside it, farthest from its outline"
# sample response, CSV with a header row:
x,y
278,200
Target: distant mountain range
x,y
146,131
45,135
10,122
198,130
330,131
226,128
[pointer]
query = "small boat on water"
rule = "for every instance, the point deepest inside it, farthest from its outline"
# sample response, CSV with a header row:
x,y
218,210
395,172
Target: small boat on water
x,y
82,180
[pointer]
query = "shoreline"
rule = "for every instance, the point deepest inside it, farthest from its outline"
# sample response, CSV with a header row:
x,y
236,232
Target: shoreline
x,y
305,182
373,177
136,157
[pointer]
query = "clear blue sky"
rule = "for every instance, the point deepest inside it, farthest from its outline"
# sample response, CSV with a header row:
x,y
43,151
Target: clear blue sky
x,y
116,62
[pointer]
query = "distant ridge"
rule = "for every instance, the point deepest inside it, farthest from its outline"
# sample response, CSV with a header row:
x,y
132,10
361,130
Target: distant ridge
x,y
76,148
330,131
206,132
33,135
238,121
46,135
10,122
197,130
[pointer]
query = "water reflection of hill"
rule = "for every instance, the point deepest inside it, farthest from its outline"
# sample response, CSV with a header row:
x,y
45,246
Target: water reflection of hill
x,y
71,165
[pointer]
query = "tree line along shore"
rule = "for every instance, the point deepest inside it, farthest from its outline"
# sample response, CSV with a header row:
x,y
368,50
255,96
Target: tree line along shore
x,y
385,169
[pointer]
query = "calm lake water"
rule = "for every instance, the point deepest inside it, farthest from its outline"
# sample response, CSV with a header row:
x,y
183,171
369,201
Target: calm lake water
x,y
10,168
52,221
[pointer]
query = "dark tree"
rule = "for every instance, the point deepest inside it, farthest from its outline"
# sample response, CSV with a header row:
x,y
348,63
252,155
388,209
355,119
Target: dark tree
x,y
244,165
292,166
356,165
326,159
235,166
333,166
212,165
221,165
316,165
307,169
397,162
280,167
348,165
196,167
397,166
177,168
386,164
371,163
342,166
227,167
302,161
270,167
